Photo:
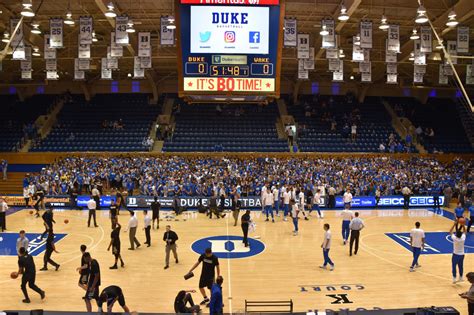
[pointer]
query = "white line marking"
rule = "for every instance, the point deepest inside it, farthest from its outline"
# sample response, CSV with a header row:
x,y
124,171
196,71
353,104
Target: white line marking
x,y
228,267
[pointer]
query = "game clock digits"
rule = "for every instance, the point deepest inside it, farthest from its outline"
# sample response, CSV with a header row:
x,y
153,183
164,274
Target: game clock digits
x,y
228,48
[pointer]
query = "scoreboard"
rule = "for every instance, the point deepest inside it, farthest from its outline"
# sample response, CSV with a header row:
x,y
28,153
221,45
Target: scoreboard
x,y
229,47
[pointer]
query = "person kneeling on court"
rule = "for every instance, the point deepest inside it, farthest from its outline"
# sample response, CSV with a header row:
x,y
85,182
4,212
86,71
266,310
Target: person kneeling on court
x,y
182,299
112,294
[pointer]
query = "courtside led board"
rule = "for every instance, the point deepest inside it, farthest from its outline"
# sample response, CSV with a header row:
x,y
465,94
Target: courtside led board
x,y
229,47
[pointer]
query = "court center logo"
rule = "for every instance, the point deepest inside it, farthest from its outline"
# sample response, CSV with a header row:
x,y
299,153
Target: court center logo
x,y
228,246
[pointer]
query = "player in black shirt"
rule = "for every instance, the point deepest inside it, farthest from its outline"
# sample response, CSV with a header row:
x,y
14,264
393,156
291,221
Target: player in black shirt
x,y
181,301
112,294
83,269
209,263
48,221
115,244
113,213
245,227
155,208
50,248
119,201
93,283
26,266
39,197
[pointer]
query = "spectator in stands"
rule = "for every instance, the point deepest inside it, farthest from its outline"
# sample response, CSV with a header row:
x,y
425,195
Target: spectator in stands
x,y
346,130
4,167
381,148
333,124
353,132
419,134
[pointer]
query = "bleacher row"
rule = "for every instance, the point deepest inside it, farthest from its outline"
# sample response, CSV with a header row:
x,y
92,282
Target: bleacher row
x,y
233,128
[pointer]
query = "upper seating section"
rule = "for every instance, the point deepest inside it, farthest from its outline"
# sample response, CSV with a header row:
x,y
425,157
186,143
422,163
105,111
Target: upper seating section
x,y
439,126
17,118
109,122
230,128
325,124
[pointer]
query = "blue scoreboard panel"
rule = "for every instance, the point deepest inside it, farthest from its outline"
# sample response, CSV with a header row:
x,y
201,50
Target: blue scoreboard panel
x,y
229,47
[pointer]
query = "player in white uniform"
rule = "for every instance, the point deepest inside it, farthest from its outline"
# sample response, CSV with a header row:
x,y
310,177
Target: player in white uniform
x,y
316,201
301,203
286,204
347,216
262,196
294,216
276,199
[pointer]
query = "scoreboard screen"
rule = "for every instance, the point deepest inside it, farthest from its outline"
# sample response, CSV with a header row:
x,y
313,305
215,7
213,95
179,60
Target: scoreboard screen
x,y
229,47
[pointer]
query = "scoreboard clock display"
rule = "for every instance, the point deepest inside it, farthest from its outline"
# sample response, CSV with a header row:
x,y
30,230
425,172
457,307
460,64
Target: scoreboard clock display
x,y
229,47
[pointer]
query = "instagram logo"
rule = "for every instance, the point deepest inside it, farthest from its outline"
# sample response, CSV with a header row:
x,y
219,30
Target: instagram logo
x,y
229,37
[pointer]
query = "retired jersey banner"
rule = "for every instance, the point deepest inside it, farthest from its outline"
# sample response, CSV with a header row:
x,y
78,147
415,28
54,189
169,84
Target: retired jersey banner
x,y
390,57
51,65
332,53
309,63
166,35
105,74
329,40
366,34
393,40
85,30
443,78
463,39
121,35
229,84
144,44
357,52
49,53
335,65
392,68
451,48
303,46
17,44
83,64
56,33
138,72
425,39
78,73
392,78
233,2
303,74
25,65
83,51
116,50
291,29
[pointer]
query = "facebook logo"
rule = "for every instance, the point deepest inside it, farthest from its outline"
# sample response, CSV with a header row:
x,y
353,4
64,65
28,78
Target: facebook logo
x,y
254,37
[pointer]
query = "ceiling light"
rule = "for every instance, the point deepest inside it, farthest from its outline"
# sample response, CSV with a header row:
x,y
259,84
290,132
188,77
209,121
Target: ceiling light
x,y
129,75
421,9
421,18
357,40
324,31
171,26
69,20
351,77
341,53
35,29
6,37
412,56
36,52
110,11
94,38
26,3
27,11
130,28
171,19
343,16
452,19
414,34
383,23
439,45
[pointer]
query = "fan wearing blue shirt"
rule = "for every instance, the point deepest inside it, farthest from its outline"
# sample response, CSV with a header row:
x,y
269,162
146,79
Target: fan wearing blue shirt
x,y
471,218
459,211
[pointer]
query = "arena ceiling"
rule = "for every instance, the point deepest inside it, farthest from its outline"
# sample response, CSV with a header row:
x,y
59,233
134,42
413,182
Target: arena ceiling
x,y
146,16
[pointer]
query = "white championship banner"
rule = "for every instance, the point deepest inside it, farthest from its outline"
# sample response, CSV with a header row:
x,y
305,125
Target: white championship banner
x,y
56,33
393,40
329,40
105,74
83,51
452,50
25,65
166,35
121,35
85,30
291,28
303,46
366,34
144,44
309,63
116,50
83,64
303,74
138,72
229,84
49,53
78,74
17,44
463,39
443,78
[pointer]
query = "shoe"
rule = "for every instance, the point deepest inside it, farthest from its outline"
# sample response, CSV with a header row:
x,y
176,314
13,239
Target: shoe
x,y
131,249
267,220
26,301
461,279
177,261
295,233
205,301
43,295
412,269
207,305
273,221
278,215
113,267
454,280
95,225
139,245
350,254
122,265
285,219
166,267
148,245
331,268
44,269
322,267
344,242
57,267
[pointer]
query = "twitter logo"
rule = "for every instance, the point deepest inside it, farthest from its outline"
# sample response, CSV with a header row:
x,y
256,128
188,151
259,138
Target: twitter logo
x,y
204,37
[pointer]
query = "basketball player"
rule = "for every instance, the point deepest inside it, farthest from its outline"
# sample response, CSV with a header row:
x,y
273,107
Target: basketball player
x,y
22,241
170,237
50,248
245,227
147,227
286,204
469,295
276,199
83,269
459,212
347,216
236,208
301,203
216,304
347,198
458,238
113,213
294,216
26,267
110,295
115,244
48,221
96,196
326,246
209,263
316,201
39,197
417,242
93,283
268,204
155,208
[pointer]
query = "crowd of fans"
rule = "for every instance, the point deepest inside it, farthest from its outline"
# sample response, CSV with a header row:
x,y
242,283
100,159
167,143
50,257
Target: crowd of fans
x,y
206,176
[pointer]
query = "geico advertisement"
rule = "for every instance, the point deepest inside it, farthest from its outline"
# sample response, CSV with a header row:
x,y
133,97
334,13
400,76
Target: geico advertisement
x,y
389,201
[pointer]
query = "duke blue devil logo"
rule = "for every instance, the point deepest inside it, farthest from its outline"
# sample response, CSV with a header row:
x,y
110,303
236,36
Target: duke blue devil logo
x,y
228,246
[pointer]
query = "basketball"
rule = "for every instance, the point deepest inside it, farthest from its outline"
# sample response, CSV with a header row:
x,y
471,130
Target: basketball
x,y
462,221
14,275
31,211
66,221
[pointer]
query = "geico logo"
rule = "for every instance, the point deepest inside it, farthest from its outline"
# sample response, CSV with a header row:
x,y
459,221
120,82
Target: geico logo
x,y
391,201
421,200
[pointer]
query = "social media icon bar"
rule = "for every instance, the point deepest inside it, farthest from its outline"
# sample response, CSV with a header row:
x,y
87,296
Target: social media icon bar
x,y
254,37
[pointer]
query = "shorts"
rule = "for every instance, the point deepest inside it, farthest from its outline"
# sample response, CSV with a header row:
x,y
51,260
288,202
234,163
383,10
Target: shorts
x,y
92,295
206,282
116,250
83,279
120,300
156,215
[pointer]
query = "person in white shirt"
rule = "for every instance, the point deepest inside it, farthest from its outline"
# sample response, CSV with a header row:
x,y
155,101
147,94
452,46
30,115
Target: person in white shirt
x,y
147,227
458,238
347,216
268,203
286,204
3,215
406,192
347,198
294,216
326,246
316,201
22,241
26,195
276,197
354,132
132,228
262,196
417,242
96,197
301,203
92,206
355,226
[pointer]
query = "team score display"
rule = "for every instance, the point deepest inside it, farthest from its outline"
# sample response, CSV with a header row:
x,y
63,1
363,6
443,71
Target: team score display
x,y
229,71
261,69
196,68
